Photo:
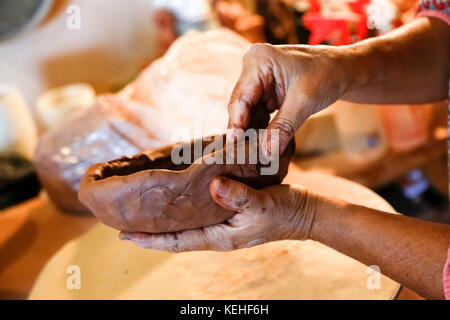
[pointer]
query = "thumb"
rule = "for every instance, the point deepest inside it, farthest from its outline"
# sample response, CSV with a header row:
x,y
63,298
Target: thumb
x,y
282,128
233,195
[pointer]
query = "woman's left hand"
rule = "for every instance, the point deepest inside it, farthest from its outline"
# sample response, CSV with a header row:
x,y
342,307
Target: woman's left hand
x,y
276,213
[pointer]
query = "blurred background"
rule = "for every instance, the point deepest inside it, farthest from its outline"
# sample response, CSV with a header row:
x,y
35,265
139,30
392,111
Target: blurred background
x,y
57,56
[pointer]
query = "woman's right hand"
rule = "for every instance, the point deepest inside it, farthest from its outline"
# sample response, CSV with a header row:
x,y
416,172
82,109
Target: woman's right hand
x,y
297,80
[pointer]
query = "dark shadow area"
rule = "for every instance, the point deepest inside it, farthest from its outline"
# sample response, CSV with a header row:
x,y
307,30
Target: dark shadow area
x,y
12,295
417,199
17,245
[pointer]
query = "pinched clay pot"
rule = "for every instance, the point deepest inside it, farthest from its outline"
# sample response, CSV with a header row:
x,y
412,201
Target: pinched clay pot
x,y
149,193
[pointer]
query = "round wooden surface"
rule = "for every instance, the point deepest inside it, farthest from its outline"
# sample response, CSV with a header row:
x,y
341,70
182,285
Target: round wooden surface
x,y
114,269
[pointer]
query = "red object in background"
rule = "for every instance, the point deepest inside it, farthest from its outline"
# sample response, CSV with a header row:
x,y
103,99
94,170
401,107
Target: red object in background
x,y
315,6
327,28
359,7
336,28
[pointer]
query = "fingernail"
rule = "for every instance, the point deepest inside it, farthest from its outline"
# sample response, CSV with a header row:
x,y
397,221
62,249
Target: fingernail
x,y
221,187
124,236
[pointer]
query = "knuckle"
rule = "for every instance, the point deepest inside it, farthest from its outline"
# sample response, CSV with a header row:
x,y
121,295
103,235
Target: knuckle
x,y
261,47
286,127
243,100
257,49
233,245
219,240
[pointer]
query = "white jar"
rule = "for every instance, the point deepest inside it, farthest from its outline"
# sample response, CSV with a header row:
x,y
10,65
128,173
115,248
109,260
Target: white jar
x,y
55,104
18,134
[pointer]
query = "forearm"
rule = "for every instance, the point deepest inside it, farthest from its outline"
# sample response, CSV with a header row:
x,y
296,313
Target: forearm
x,y
410,251
408,65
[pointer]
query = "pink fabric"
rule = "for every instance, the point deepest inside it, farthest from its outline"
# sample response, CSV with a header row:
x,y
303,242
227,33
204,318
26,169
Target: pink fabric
x,y
439,9
435,14
434,8
447,277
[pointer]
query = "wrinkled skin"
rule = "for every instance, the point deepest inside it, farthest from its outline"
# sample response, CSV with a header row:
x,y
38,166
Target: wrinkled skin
x,y
409,65
296,80
148,193
261,216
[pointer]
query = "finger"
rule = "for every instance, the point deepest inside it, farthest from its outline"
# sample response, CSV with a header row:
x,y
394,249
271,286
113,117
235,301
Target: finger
x,y
246,93
233,195
189,240
269,98
282,128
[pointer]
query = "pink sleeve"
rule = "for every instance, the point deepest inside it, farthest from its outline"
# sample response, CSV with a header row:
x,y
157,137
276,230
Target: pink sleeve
x,y
438,9
447,277
434,8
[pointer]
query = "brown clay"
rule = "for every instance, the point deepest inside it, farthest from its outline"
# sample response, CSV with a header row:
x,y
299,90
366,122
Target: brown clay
x,y
149,193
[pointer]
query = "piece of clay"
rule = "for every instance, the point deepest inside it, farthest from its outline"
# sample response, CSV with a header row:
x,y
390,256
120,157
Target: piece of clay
x,y
150,193
191,83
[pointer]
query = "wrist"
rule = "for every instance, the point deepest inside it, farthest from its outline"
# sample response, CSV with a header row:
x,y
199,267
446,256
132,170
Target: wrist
x,y
306,209
350,68
360,64
331,215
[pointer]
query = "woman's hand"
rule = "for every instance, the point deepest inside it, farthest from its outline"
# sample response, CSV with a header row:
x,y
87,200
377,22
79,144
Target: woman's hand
x,y
297,80
275,213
